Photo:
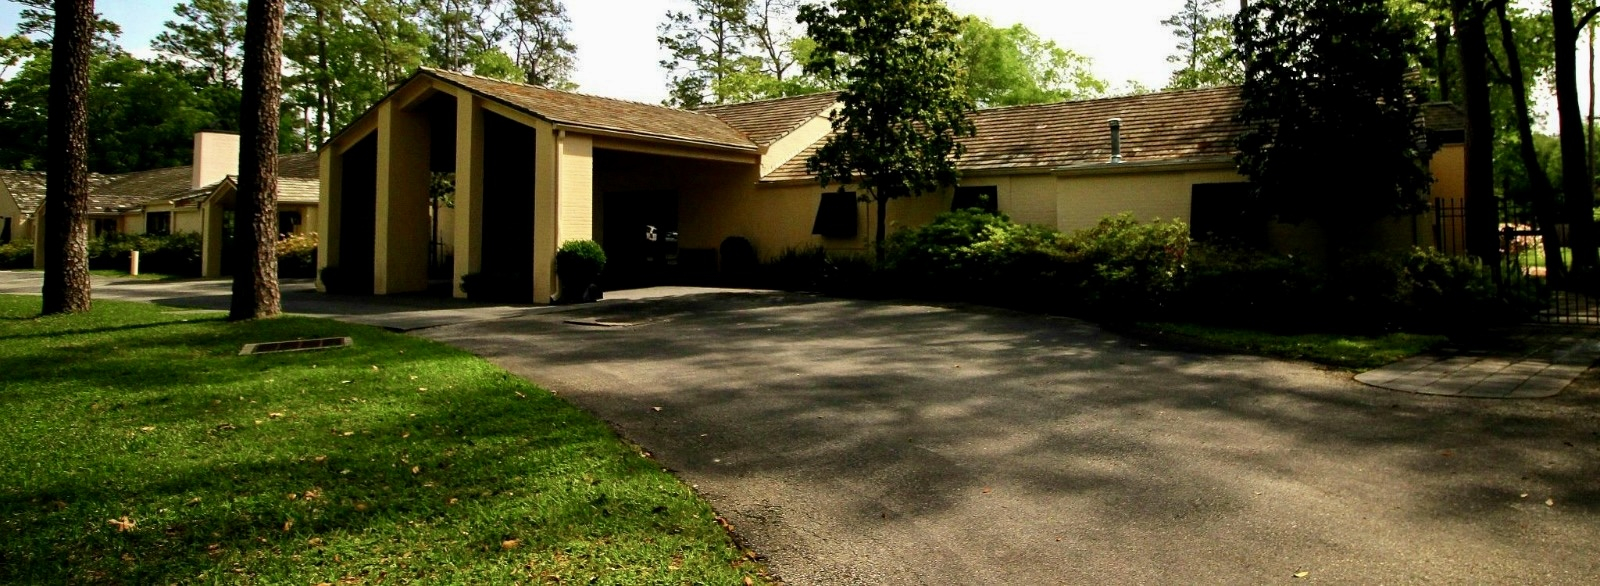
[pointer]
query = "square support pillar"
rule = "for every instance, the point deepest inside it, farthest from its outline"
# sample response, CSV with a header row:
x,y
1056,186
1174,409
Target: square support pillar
x,y
575,187
545,210
211,239
328,221
400,249
469,189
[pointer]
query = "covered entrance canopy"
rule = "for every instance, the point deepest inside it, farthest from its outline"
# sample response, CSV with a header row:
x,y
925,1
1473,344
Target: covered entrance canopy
x,y
528,167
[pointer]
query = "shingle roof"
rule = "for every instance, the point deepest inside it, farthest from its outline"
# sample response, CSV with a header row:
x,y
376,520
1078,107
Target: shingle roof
x,y
26,187
603,113
767,121
1168,126
298,182
1443,117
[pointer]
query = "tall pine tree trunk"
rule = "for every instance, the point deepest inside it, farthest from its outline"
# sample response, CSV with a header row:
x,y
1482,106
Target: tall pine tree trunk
x,y
1545,211
255,281
1576,184
1472,49
66,257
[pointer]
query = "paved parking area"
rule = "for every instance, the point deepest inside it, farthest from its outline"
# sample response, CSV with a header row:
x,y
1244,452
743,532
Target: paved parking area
x,y
857,442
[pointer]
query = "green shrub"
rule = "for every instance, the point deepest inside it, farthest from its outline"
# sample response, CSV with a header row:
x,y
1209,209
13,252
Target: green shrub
x,y
17,254
297,256
971,254
578,265
1244,287
813,269
1418,289
169,254
1133,268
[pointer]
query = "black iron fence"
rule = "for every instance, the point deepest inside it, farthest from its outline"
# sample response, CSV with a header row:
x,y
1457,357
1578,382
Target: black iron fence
x,y
1524,270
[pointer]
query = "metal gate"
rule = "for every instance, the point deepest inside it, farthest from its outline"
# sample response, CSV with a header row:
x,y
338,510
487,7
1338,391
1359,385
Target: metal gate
x,y
1522,269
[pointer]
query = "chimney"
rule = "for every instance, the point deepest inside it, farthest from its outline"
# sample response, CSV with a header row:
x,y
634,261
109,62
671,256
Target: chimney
x,y
216,155
1116,140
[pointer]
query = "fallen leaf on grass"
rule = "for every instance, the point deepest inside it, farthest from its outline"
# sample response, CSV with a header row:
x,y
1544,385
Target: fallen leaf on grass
x,y
986,490
1301,574
520,395
509,544
287,525
274,415
416,469
1549,502
655,408
148,428
123,524
748,581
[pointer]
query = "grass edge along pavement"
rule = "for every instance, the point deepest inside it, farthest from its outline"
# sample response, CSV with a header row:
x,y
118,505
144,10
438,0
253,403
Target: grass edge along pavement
x,y
140,448
1347,352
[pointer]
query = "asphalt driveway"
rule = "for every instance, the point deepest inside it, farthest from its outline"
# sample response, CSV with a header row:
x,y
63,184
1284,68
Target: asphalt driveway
x,y
855,442
895,443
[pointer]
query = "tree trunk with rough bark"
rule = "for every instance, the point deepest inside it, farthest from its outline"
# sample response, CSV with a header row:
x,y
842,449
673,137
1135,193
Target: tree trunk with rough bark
x,y
255,280
66,257
1545,211
1575,182
1483,216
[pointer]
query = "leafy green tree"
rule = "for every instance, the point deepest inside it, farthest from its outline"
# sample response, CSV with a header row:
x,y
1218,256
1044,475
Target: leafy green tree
x,y
208,34
458,29
1014,66
36,20
536,31
1331,110
904,105
1205,47
144,113
1577,183
707,48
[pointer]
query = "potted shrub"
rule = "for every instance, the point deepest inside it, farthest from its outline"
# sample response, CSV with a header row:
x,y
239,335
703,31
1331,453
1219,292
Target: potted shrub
x,y
578,266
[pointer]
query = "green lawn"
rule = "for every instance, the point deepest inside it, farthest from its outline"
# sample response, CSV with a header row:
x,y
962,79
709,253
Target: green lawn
x,y
139,448
116,274
1343,351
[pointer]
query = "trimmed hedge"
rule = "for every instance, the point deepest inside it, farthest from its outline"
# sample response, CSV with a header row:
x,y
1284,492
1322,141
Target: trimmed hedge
x,y
172,254
17,254
578,266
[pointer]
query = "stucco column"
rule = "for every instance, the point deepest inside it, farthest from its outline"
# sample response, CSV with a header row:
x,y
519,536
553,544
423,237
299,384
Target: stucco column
x,y
211,239
400,249
328,202
575,187
545,209
468,236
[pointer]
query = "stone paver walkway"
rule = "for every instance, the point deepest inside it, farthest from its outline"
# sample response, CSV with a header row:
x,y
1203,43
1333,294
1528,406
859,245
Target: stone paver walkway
x,y
1549,362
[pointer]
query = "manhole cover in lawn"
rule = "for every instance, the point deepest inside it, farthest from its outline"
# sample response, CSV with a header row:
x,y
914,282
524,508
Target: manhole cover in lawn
x,y
294,346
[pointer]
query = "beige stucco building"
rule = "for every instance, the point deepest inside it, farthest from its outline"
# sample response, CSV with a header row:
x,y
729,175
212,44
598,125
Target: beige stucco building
x,y
197,198
535,167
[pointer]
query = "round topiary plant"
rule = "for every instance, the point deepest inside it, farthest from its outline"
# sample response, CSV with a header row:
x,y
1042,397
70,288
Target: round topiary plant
x,y
578,265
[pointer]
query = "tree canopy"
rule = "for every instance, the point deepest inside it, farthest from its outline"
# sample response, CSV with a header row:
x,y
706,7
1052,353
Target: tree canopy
x,y
1013,66
1205,47
1331,108
904,104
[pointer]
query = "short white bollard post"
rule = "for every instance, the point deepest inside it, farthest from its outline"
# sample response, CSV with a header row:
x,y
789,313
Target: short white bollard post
x,y
133,263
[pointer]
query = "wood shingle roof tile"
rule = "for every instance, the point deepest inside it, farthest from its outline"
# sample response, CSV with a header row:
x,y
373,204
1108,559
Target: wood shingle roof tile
x,y
582,110
1160,127
766,121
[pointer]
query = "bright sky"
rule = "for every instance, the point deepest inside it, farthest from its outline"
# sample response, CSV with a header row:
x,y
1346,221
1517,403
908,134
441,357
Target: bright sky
x,y
618,55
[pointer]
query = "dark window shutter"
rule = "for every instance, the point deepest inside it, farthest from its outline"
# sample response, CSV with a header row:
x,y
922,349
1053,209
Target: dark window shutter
x,y
836,215
983,197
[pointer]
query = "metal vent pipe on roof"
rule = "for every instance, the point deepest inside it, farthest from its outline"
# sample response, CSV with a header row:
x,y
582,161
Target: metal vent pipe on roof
x,y
1116,140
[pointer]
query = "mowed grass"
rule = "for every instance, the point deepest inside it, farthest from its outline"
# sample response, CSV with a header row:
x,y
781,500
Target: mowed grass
x,y
1343,351
139,448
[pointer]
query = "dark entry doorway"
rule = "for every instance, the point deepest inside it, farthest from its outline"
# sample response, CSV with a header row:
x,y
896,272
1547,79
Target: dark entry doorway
x,y
633,259
358,201
506,271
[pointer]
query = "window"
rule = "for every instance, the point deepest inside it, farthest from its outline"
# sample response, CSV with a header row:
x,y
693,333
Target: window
x,y
103,226
836,215
983,197
158,223
5,230
288,221
1224,213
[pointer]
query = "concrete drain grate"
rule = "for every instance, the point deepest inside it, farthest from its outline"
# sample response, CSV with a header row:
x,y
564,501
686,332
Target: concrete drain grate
x,y
601,323
294,346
